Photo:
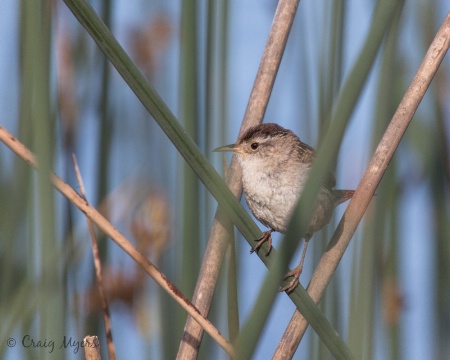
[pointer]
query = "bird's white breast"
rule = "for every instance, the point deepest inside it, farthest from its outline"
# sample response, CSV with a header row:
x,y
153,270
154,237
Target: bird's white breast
x,y
272,193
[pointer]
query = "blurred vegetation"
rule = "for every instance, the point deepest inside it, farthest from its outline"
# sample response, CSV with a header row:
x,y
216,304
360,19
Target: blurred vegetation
x,y
71,100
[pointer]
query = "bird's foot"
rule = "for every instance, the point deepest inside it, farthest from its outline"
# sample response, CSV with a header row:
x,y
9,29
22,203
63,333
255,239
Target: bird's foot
x,y
267,236
295,274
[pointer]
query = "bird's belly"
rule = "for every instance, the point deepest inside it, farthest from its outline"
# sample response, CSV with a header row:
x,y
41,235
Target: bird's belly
x,y
270,205
273,205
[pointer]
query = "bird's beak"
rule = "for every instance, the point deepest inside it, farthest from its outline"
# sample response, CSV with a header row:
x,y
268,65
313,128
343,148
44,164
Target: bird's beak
x,y
231,147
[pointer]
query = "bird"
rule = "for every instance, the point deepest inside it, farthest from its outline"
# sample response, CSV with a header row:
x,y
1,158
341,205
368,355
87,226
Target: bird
x,y
275,166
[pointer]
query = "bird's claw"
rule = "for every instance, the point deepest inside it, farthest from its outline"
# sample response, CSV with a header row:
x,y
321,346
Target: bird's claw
x,y
267,236
295,274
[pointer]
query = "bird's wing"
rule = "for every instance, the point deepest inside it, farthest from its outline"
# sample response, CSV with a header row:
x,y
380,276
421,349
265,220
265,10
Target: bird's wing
x,y
330,180
307,155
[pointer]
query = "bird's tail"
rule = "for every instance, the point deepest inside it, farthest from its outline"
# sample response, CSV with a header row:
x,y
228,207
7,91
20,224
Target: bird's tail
x,y
343,195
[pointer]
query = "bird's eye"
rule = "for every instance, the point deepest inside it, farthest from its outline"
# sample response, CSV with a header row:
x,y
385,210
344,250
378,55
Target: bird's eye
x,y
254,146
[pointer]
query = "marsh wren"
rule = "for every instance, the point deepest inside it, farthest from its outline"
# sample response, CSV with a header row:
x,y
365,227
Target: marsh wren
x,y
275,166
